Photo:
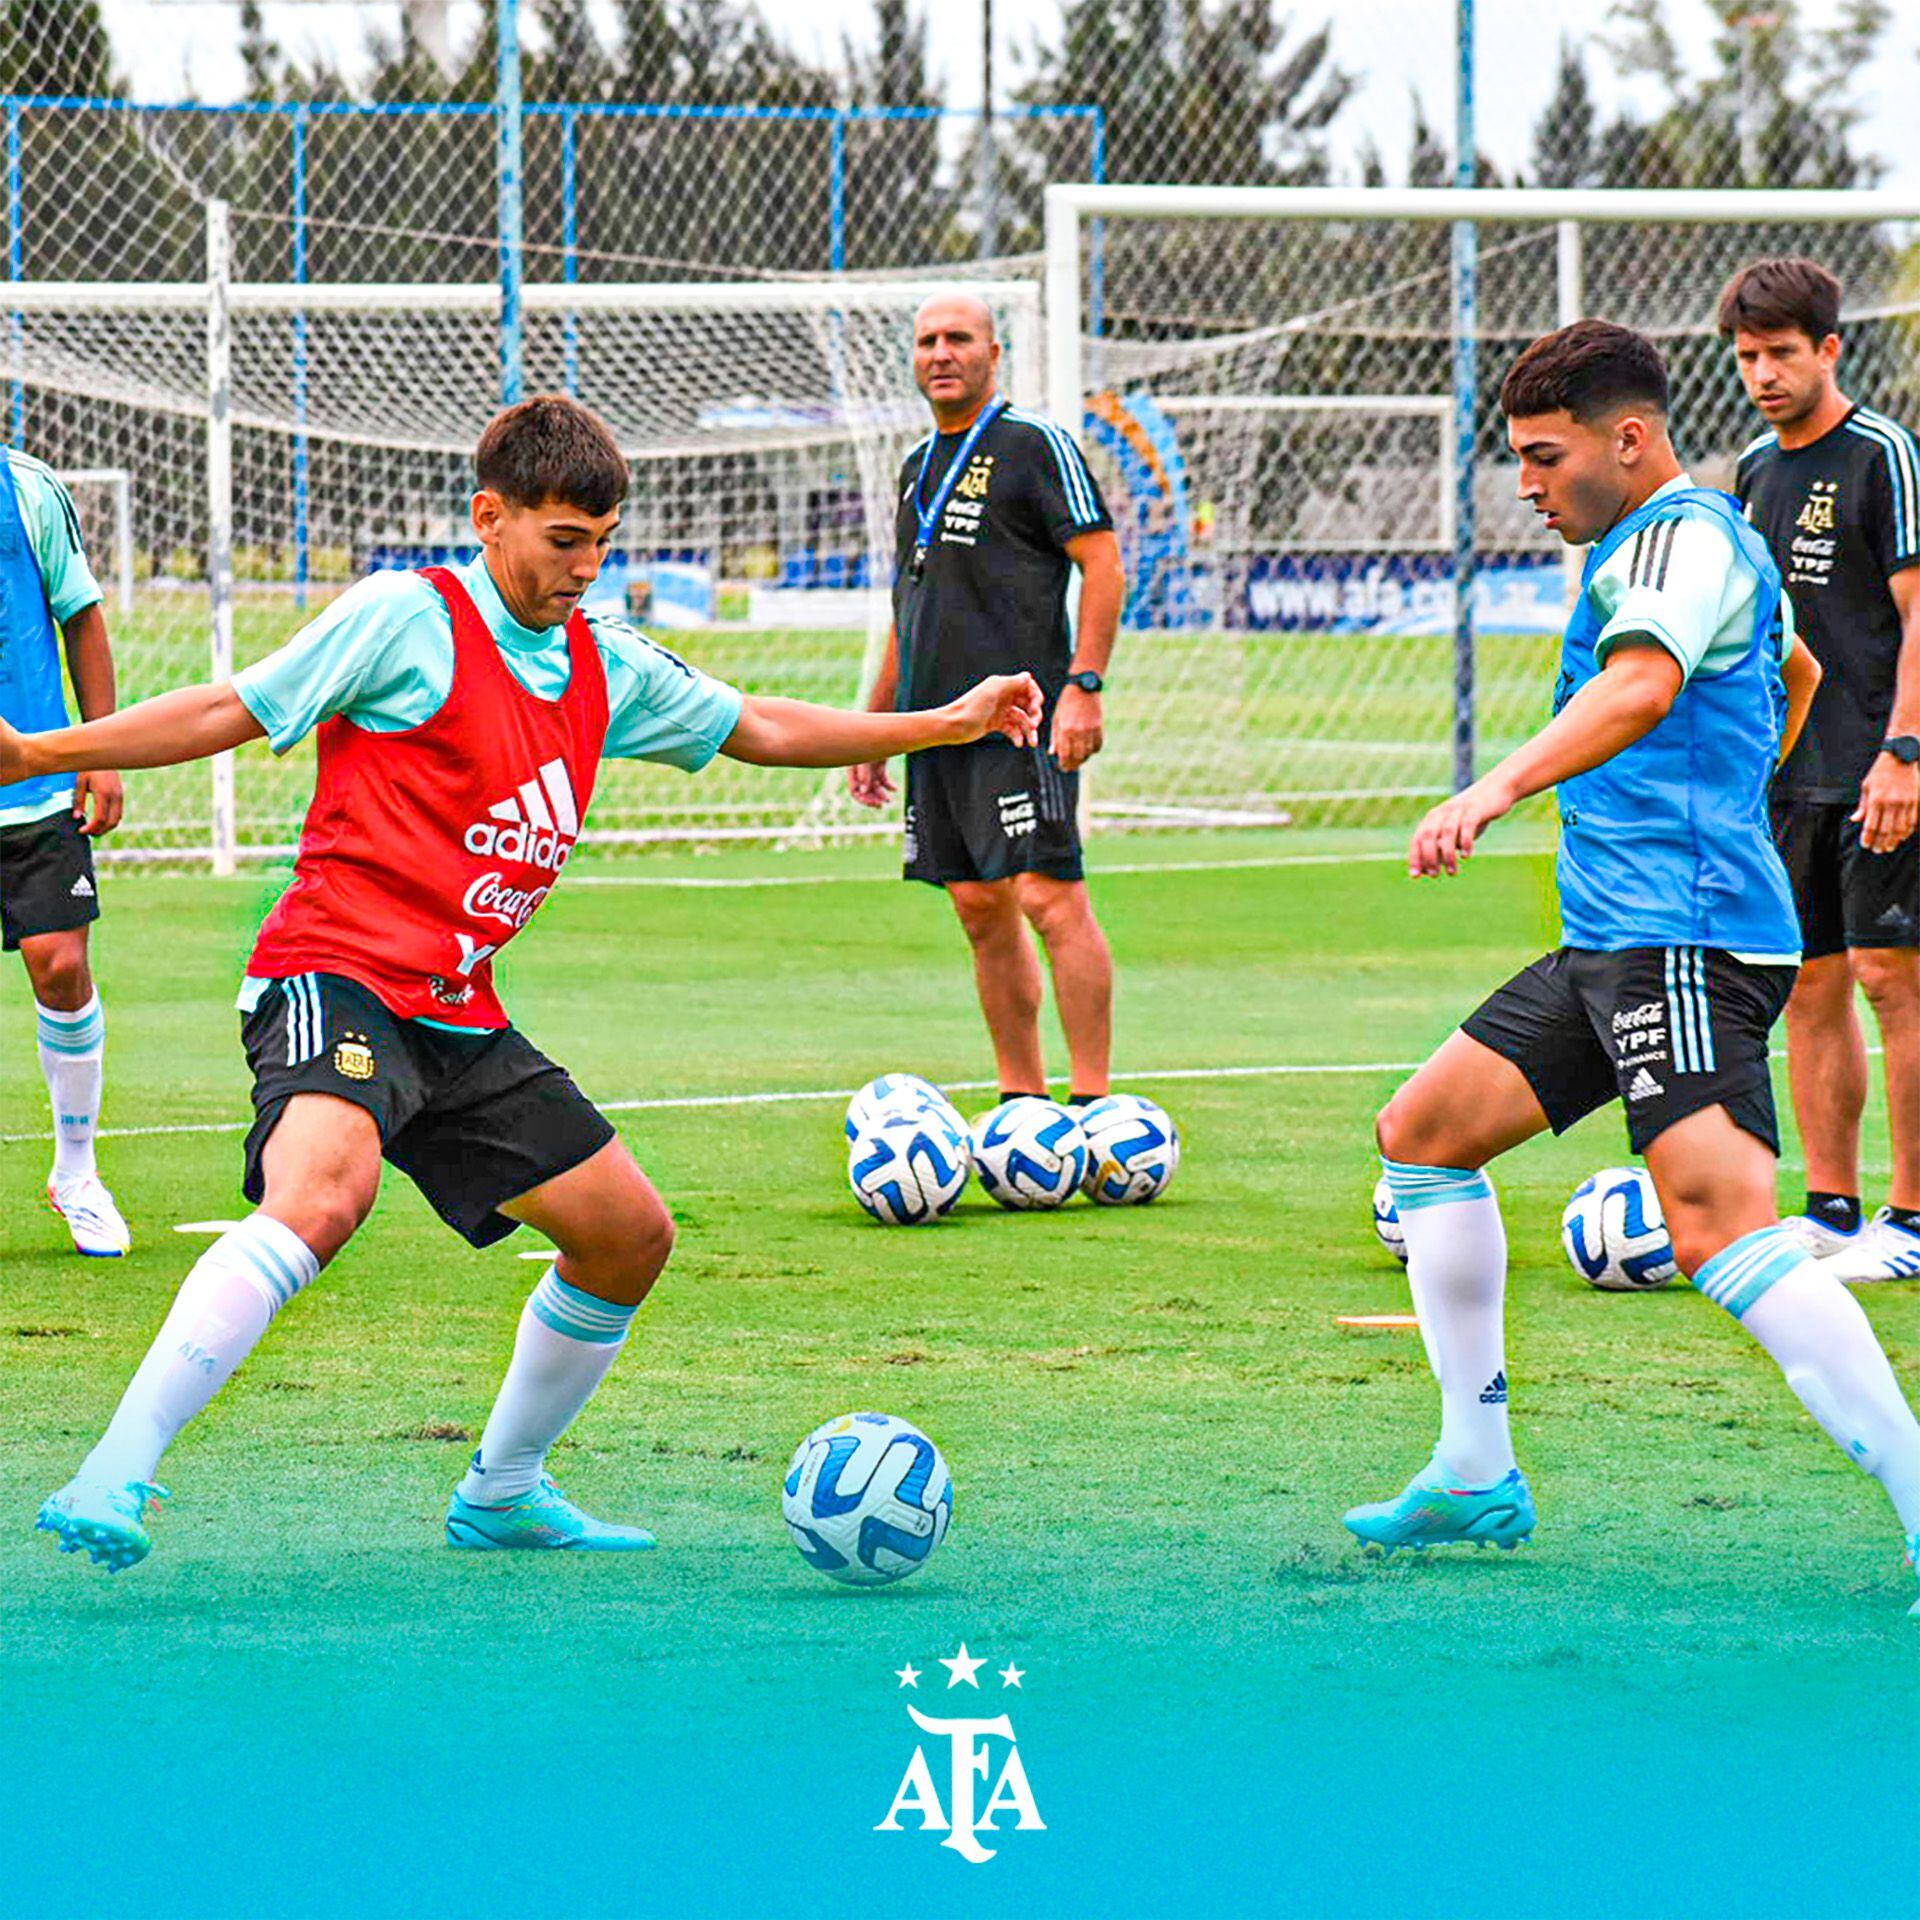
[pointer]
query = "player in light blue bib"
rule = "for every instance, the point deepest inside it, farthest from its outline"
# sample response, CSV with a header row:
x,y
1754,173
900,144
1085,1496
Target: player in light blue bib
x,y
1681,685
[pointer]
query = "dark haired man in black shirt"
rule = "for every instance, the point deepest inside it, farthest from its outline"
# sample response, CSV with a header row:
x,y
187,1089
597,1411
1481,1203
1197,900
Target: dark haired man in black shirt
x,y
1835,489
995,510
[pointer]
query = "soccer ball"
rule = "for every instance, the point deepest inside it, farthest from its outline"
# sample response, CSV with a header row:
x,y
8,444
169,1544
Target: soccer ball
x,y
897,1093
1133,1150
908,1166
1615,1234
1030,1153
867,1498
1386,1221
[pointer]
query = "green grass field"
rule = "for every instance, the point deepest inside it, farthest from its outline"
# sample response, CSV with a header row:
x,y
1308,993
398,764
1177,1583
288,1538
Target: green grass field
x,y
1695,1692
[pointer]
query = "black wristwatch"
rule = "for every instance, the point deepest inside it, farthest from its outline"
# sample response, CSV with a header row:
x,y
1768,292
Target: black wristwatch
x,y
1905,747
1090,682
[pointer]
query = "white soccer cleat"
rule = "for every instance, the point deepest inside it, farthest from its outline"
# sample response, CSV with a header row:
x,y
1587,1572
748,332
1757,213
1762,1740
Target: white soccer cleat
x,y
92,1218
1881,1250
1815,1238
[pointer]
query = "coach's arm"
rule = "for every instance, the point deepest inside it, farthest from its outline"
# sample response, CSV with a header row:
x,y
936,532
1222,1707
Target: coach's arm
x,y
1631,694
1078,729
796,733
191,723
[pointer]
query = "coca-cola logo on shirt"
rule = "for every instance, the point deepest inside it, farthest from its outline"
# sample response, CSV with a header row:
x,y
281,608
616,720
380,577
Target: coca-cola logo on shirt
x,y
490,898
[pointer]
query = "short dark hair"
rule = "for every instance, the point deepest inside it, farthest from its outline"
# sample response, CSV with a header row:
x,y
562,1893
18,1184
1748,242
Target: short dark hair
x,y
1586,369
1791,291
551,448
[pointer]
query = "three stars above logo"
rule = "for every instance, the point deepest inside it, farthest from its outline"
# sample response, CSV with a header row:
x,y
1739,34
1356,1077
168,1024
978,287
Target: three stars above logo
x,y
962,1670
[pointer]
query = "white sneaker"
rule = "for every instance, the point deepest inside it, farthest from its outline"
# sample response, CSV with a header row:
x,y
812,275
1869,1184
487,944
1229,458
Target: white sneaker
x,y
1880,1251
92,1218
1815,1238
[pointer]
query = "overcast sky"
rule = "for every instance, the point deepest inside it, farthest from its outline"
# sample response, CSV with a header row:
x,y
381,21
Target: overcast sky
x,y
1396,46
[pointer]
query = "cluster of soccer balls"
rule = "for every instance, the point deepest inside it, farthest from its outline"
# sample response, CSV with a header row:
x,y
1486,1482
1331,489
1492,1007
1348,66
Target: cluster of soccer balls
x,y
910,1154
1613,1231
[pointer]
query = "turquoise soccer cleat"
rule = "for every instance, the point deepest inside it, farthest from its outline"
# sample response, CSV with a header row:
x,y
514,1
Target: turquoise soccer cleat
x,y
107,1521
1434,1512
1913,1560
545,1518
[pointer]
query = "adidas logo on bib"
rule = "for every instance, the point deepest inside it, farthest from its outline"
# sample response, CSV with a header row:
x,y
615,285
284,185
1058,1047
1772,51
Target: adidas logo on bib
x,y
537,824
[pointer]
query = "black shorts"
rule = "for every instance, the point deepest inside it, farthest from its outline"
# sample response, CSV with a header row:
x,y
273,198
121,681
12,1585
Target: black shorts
x,y
46,879
988,811
472,1119
1847,896
1668,1031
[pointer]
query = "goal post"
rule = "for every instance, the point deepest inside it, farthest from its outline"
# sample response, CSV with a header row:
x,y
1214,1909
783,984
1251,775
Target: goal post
x,y
1265,379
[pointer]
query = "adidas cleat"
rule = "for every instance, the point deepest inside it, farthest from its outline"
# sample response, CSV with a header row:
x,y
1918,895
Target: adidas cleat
x,y
106,1522
1882,1250
92,1218
1433,1512
545,1517
1814,1237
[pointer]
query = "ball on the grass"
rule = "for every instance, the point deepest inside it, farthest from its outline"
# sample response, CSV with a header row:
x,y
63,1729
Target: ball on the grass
x,y
908,1165
1615,1234
1030,1153
1133,1150
867,1499
1386,1221
897,1093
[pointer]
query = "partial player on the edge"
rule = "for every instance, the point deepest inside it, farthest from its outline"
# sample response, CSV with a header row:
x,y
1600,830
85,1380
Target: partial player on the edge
x,y
1678,687
996,510
48,891
461,716
1835,491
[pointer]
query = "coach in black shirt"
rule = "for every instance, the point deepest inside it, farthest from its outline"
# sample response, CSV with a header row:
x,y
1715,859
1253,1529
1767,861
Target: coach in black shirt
x,y
996,508
1835,489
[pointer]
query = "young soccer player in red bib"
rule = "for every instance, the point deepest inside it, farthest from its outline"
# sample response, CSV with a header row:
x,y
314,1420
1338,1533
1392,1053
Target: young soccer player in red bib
x,y
461,717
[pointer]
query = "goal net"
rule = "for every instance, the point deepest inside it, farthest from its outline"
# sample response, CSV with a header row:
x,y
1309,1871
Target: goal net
x,y
244,451
1266,380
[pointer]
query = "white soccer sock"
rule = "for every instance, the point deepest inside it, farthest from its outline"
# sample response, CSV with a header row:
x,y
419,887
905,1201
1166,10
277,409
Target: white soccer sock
x,y
223,1307
1825,1345
566,1343
1457,1266
71,1049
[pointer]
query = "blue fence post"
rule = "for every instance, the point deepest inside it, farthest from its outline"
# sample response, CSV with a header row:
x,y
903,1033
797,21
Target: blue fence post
x,y
507,109
16,266
837,195
570,234
1466,409
302,447
1097,240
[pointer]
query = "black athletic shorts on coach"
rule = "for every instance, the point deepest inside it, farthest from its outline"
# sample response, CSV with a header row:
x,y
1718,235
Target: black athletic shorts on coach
x,y
990,596
1667,1031
47,882
473,1119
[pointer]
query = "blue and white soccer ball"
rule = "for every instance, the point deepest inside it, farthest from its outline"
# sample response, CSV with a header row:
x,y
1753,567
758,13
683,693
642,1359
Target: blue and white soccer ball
x,y
1030,1153
867,1499
1386,1221
1615,1234
1133,1150
897,1093
909,1165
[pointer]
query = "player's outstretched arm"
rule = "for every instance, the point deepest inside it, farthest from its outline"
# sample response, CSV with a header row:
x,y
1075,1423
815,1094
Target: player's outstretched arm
x,y
192,723
1622,703
796,733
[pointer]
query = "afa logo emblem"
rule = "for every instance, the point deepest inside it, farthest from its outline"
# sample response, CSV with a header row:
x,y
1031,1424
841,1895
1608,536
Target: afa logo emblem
x,y
353,1057
966,1754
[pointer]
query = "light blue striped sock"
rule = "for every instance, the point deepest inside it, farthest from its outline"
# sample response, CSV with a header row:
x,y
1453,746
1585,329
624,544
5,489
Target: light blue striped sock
x,y
567,1341
1740,1274
71,1048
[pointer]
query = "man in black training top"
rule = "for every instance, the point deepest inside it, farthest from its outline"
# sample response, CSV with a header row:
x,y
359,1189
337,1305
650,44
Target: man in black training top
x,y
1835,490
996,508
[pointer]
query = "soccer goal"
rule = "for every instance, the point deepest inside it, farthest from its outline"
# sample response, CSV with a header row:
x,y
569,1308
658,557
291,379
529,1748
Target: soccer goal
x,y
283,439
1291,396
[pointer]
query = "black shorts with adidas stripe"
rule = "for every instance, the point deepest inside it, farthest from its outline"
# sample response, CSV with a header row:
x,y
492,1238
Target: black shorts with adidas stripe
x,y
1846,896
988,811
47,883
472,1119
1667,1031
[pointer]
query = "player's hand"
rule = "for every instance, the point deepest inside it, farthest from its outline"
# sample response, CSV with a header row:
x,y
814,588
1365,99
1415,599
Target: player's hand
x,y
107,798
869,784
1446,836
1889,804
1077,733
1008,703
